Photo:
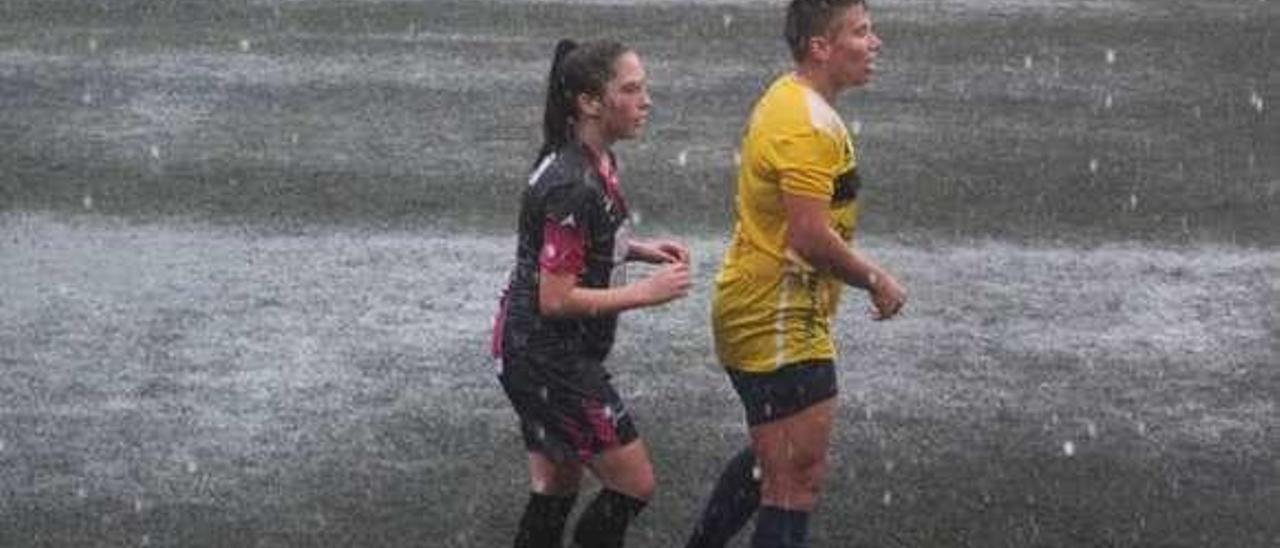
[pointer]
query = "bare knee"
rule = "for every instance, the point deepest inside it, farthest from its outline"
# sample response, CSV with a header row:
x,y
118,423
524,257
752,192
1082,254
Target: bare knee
x,y
796,482
638,483
808,474
645,487
793,476
627,470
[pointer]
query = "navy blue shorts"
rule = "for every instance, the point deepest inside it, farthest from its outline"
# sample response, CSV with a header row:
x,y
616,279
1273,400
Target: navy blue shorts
x,y
569,412
789,390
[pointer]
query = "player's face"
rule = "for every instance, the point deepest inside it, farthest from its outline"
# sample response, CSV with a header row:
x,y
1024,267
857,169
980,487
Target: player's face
x,y
853,48
626,99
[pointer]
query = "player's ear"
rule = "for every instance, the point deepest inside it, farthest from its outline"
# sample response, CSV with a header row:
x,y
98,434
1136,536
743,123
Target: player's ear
x,y
590,105
819,48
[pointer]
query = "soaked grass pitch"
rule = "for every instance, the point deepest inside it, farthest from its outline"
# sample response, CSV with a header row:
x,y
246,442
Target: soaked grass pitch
x,y
187,385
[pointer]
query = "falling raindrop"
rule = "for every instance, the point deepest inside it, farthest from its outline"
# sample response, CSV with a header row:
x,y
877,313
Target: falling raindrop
x,y
1133,202
756,473
1069,448
86,98
1107,102
245,45
728,20
2,446
87,201
93,45
887,499
82,493
683,158
1111,56
137,506
888,466
1093,165
737,158
1027,62
1092,429
192,466
1142,428
856,127
155,152
146,540
1256,101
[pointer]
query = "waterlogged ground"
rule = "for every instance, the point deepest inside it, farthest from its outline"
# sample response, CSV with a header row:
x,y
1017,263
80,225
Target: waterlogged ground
x,y
181,384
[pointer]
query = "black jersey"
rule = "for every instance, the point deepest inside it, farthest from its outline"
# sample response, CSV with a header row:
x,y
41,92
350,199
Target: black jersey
x,y
572,219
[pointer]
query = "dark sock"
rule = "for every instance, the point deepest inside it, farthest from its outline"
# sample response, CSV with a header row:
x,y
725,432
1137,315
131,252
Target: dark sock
x,y
780,528
604,523
542,525
733,501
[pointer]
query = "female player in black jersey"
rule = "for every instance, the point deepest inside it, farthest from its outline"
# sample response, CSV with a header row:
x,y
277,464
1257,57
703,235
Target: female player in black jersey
x,y
558,316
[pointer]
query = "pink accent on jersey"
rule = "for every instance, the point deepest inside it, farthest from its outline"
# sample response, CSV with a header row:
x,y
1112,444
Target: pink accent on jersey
x,y
564,247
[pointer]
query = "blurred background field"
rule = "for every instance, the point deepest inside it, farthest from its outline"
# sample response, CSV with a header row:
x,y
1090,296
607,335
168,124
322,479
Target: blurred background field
x,y
1090,121
249,252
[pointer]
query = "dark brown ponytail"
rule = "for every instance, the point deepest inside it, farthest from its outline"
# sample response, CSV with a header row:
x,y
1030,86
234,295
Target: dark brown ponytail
x,y
575,69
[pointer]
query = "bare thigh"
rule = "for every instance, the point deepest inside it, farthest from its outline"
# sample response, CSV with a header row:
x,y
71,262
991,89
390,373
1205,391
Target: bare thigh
x,y
793,455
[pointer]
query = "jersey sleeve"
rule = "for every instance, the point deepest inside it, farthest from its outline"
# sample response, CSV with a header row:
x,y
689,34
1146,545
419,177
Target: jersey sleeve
x,y
806,163
566,230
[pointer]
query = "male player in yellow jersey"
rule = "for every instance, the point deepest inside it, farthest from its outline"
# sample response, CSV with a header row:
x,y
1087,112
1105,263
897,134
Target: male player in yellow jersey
x,y
779,285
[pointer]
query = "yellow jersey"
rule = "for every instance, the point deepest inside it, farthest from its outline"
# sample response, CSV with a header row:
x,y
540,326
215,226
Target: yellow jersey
x,y
770,307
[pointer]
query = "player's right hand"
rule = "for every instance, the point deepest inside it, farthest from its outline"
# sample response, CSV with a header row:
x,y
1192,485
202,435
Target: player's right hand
x,y
669,282
888,296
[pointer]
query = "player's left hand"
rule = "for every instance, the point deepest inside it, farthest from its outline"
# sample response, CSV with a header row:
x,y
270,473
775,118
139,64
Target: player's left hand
x,y
661,251
672,251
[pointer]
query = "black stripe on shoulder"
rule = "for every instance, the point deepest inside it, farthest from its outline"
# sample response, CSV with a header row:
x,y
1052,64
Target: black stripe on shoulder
x,y
846,186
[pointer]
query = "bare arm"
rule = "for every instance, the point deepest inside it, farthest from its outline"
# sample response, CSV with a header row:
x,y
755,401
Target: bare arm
x,y
809,235
560,296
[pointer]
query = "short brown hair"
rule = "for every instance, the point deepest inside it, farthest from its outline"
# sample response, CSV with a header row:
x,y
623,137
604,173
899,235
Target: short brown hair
x,y
809,18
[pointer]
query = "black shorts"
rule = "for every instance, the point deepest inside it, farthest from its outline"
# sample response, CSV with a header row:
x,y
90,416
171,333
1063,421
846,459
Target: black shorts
x,y
568,409
789,390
